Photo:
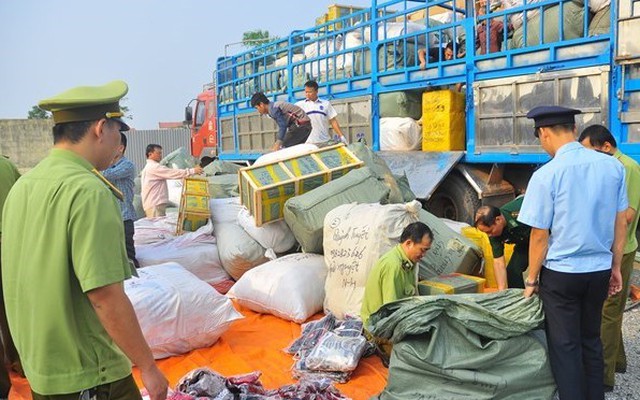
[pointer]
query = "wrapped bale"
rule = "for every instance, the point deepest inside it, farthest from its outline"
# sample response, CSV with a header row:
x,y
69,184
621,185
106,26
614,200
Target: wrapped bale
x,y
223,186
275,236
572,23
355,237
400,134
290,287
239,252
470,346
400,104
379,168
178,159
405,189
219,167
450,252
305,214
177,311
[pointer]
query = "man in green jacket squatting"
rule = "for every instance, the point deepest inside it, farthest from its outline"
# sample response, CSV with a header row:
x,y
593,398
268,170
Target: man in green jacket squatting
x,y
502,227
394,275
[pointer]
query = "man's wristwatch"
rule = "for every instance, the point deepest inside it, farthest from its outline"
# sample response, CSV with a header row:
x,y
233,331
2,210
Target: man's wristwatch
x,y
531,284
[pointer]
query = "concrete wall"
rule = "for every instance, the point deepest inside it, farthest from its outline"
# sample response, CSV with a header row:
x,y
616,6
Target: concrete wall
x,y
25,141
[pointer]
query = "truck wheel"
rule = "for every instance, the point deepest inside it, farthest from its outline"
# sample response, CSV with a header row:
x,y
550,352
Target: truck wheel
x,y
455,199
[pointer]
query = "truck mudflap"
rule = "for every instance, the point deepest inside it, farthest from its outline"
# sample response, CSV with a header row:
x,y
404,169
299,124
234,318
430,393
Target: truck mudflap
x,y
424,170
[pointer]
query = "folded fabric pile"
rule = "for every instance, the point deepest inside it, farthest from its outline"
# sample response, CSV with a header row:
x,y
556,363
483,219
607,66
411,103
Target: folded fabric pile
x,y
328,349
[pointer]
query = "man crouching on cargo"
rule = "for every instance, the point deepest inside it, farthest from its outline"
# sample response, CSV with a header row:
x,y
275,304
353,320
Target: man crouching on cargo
x,y
294,125
394,275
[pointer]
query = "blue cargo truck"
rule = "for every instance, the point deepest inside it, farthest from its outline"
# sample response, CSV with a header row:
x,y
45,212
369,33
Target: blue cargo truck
x,y
577,53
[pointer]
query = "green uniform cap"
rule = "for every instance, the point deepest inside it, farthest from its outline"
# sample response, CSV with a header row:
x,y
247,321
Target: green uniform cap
x,y
88,103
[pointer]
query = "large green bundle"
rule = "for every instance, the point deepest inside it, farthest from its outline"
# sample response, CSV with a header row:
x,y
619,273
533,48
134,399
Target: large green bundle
x,y
401,104
305,213
468,346
572,24
219,167
379,168
450,252
178,159
223,186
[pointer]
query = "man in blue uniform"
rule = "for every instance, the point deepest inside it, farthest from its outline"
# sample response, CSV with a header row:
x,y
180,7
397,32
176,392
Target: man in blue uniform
x,y
576,207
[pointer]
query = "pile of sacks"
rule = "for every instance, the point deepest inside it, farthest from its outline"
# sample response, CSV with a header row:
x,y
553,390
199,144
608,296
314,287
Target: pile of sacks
x,y
316,259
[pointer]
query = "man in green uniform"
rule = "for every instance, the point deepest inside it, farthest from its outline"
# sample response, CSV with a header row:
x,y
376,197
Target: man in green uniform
x,y
8,176
599,138
502,227
394,275
64,261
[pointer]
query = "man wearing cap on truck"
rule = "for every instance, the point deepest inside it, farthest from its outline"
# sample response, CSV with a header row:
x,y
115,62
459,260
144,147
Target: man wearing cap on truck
x,y
502,227
294,125
576,207
64,261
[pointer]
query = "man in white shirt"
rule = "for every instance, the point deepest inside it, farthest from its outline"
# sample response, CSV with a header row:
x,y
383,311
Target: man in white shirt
x,y
321,113
155,194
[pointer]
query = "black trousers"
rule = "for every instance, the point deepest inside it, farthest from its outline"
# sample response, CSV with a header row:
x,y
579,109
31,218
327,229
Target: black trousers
x,y
128,240
296,135
517,265
572,305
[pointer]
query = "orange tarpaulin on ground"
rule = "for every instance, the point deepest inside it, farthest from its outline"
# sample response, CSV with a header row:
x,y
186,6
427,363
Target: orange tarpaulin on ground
x,y
254,343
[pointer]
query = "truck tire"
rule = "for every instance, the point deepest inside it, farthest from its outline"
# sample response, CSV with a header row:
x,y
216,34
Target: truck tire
x,y
455,199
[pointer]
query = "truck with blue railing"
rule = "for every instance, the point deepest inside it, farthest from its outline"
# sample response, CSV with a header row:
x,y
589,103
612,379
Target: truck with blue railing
x,y
388,61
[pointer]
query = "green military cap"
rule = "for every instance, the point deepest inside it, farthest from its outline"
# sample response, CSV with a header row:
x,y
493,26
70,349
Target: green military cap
x,y
88,103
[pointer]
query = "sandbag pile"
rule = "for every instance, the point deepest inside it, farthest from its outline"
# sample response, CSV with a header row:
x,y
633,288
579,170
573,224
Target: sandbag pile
x,y
177,311
355,237
475,346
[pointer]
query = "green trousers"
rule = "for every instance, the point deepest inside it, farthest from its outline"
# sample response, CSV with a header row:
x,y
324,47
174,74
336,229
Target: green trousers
x,y
517,265
611,328
124,389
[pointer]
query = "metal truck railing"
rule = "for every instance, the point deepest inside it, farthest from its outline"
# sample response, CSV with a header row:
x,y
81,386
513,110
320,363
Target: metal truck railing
x,y
547,52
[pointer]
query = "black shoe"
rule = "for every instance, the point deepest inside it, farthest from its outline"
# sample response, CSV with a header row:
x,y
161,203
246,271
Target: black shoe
x,y
621,369
608,388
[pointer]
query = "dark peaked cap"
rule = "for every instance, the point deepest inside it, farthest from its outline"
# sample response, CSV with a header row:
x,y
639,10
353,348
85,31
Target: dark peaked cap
x,y
88,103
552,115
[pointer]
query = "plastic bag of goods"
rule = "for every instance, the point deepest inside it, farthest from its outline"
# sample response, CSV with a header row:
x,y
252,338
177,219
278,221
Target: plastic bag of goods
x,y
196,251
305,214
290,287
223,186
239,252
355,237
400,134
275,236
176,311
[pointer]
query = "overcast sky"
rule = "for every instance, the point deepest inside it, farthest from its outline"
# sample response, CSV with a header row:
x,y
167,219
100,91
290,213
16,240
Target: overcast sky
x,y
164,50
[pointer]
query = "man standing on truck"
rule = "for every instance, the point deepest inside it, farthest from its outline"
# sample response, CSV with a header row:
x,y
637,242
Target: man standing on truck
x,y
576,207
153,181
294,125
599,138
122,174
502,227
64,261
321,113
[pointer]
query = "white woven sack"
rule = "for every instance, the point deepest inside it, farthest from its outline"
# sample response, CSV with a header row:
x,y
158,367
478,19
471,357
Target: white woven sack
x,y
400,134
355,236
290,287
196,251
174,188
176,311
225,210
275,236
287,152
